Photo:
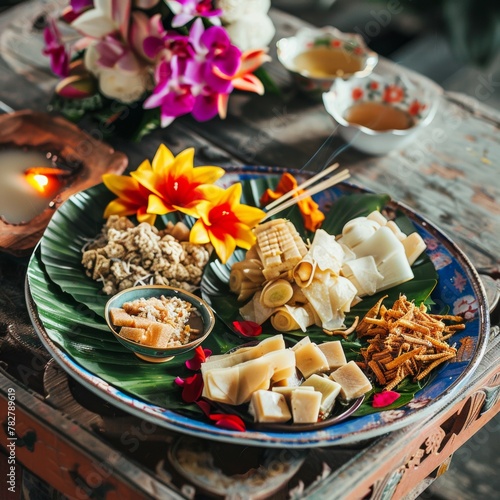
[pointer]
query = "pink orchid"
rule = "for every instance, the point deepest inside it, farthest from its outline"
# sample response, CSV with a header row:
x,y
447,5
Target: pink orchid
x,y
146,35
200,356
171,95
186,10
75,8
55,49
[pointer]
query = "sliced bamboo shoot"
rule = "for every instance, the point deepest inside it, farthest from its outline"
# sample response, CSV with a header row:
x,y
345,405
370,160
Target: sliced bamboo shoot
x,y
276,293
414,245
363,274
357,231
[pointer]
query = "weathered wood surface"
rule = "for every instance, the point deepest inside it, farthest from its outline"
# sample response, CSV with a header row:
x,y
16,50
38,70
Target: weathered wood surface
x,y
449,175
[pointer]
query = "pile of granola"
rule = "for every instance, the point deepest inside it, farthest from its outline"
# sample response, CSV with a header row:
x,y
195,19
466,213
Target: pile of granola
x,y
125,255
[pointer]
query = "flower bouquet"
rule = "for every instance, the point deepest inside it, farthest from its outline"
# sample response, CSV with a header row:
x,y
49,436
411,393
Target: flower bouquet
x,y
147,62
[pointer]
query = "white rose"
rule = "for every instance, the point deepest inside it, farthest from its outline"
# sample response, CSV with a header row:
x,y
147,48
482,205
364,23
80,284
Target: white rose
x,y
234,10
125,86
253,32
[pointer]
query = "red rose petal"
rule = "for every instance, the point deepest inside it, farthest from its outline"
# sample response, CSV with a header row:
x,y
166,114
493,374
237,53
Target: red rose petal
x,y
179,381
247,328
384,398
231,422
200,356
205,407
192,389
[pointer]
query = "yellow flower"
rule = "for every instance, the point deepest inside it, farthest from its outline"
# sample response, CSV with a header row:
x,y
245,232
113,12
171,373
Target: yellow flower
x,y
225,222
174,182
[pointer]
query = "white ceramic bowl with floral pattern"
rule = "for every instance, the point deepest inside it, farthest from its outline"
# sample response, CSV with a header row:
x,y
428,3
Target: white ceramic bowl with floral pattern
x,y
408,95
337,43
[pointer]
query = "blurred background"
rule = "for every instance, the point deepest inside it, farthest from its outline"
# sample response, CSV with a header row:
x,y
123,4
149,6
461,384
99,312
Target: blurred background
x,y
456,43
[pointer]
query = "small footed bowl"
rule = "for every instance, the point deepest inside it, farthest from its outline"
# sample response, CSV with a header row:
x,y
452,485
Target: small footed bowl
x,y
418,102
312,54
160,354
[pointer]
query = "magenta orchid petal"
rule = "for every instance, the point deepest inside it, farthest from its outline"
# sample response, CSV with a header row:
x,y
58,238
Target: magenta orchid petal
x,y
80,5
55,49
215,38
205,107
230,62
186,10
147,35
195,34
181,19
110,51
151,46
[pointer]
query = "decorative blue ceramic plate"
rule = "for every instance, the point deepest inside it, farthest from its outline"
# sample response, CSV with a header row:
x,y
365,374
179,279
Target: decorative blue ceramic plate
x,y
66,310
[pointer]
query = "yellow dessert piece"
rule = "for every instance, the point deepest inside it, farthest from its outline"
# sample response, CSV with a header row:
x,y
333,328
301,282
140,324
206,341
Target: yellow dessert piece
x,y
352,379
334,354
287,391
310,359
270,344
267,406
235,384
328,388
305,406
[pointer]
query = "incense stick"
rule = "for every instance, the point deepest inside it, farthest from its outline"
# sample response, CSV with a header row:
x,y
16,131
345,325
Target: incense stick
x,y
305,184
341,176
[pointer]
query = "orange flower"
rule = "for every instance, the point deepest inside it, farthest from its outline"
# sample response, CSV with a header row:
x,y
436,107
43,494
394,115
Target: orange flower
x,y
174,182
309,209
225,222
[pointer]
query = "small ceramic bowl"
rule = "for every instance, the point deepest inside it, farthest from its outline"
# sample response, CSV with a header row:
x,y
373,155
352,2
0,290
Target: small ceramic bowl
x,y
415,100
155,354
316,57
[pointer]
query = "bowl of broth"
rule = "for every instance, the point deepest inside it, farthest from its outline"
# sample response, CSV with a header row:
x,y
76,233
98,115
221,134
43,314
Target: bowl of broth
x,y
377,114
316,57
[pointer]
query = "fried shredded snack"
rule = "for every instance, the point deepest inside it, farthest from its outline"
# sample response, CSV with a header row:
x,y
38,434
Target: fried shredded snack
x,y
405,341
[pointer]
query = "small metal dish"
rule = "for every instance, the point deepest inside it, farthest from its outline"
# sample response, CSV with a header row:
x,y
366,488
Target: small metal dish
x,y
334,44
157,354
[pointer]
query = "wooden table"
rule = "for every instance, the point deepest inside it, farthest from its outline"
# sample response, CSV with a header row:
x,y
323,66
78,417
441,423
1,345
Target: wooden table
x,y
83,447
